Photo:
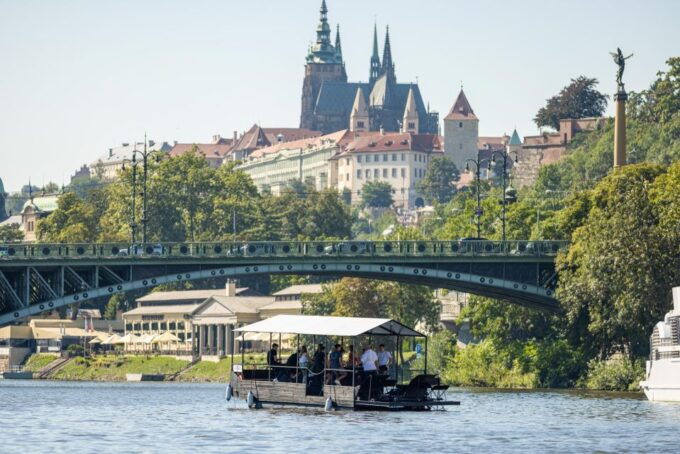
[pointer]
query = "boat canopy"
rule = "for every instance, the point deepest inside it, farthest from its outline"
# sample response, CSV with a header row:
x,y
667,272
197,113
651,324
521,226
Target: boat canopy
x,y
329,326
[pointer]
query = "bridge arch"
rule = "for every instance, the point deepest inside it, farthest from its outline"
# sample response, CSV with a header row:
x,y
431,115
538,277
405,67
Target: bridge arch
x,y
511,291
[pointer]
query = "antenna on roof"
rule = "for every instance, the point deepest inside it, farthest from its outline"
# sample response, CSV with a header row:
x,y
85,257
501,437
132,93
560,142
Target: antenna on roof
x,y
461,84
30,190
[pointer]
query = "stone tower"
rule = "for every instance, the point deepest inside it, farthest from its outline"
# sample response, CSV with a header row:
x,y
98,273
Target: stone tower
x,y
411,121
461,132
324,63
514,144
358,119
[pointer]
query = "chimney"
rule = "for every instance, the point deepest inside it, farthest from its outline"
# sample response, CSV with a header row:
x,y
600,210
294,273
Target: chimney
x,y
235,137
382,131
216,138
125,144
279,138
175,142
231,287
110,152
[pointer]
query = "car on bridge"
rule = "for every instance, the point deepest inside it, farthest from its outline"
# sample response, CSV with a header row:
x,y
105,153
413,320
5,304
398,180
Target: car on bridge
x,y
4,251
347,247
139,249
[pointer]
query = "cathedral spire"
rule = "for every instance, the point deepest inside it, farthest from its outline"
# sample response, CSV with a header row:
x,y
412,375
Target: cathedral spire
x,y
338,46
387,64
323,31
375,57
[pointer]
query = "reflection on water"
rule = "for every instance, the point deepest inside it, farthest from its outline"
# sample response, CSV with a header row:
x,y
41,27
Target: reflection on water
x,y
39,416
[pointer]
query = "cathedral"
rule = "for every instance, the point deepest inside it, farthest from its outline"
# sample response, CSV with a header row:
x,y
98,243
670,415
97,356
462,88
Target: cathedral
x,y
331,103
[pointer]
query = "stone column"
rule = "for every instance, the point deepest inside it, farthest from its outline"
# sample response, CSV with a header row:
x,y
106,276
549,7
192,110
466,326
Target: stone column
x,y
229,334
201,340
620,128
211,339
220,340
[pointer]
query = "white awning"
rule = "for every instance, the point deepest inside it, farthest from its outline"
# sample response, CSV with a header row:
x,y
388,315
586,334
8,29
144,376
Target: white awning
x,y
329,326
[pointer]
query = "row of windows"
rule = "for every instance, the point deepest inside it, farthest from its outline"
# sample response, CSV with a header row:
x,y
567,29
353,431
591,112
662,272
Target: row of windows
x,y
375,173
155,326
418,157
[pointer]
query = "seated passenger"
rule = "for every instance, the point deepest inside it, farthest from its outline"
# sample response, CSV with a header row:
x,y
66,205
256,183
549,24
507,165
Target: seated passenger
x,y
289,372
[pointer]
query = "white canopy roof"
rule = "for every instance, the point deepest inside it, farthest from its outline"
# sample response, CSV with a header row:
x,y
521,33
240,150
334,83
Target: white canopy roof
x,y
328,326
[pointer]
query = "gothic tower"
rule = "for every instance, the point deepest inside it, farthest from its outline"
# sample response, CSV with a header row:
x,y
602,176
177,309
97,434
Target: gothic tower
x,y
461,132
324,63
358,119
375,58
411,121
387,63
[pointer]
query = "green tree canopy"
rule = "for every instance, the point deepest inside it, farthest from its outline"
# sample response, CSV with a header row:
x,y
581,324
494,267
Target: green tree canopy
x,y
377,194
579,99
439,183
10,233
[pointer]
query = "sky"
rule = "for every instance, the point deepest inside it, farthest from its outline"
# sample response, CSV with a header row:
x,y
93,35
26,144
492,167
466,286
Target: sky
x,y
78,77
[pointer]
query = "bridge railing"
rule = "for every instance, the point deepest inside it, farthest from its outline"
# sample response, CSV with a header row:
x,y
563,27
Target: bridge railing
x,y
251,249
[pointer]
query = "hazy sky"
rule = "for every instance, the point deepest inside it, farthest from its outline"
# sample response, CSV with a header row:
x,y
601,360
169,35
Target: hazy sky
x,y
77,77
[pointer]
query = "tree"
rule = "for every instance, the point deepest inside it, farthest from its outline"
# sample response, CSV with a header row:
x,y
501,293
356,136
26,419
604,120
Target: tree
x,y
354,297
75,219
377,194
115,303
439,183
579,99
615,278
10,233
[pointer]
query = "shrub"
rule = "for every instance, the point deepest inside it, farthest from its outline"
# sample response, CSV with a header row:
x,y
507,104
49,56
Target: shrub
x,y
614,374
75,350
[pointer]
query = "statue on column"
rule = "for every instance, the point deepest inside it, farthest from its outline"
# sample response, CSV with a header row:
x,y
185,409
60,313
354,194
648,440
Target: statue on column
x,y
620,60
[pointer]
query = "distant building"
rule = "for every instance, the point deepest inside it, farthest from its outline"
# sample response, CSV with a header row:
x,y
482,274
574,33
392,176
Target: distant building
x,y
3,196
328,98
547,148
461,132
107,166
399,159
34,209
258,137
214,152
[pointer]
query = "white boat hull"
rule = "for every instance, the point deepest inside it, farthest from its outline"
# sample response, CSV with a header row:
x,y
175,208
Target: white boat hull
x,y
663,380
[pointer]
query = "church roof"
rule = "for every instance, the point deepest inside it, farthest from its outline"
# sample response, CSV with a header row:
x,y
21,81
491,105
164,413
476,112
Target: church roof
x,y
45,204
410,111
2,187
337,98
382,92
515,140
396,141
461,109
359,107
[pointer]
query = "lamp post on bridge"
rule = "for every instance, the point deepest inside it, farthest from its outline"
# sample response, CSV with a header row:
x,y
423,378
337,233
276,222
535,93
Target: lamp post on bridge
x,y
505,155
145,155
478,212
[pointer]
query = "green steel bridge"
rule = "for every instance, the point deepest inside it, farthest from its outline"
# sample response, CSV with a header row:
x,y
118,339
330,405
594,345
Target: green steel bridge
x,y
39,277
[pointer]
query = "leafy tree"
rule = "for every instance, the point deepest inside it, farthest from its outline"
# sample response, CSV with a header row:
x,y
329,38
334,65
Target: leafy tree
x,y
354,297
116,302
615,278
579,99
439,183
659,103
75,220
10,233
377,194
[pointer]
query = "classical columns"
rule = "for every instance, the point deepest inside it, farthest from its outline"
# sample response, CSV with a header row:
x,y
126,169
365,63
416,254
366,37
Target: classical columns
x,y
220,340
201,341
229,334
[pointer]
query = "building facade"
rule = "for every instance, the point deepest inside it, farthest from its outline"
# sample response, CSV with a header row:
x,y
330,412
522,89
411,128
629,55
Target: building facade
x,y
35,209
108,166
461,132
400,159
328,98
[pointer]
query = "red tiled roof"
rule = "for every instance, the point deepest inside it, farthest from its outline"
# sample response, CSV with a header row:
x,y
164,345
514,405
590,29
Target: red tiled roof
x,y
258,137
395,142
209,150
461,109
340,138
289,134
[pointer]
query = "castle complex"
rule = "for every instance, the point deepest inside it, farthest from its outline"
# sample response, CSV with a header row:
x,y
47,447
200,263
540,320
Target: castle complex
x,y
329,101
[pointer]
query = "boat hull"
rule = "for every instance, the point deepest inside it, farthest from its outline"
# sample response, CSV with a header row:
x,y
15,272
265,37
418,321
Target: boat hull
x,y
663,380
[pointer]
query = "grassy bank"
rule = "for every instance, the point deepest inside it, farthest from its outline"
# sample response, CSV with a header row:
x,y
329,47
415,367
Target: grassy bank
x,y
39,360
114,368
207,371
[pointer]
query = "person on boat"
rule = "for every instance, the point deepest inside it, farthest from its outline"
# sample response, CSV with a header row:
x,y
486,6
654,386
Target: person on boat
x,y
273,359
289,373
303,363
335,363
318,365
369,361
352,360
384,360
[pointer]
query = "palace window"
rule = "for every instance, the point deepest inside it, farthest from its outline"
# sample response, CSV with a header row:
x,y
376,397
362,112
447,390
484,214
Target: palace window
x,y
376,173
460,124
394,156
358,158
360,124
460,146
403,173
384,158
384,173
347,161
180,326
394,173
368,158
347,177
359,174
411,125
403,157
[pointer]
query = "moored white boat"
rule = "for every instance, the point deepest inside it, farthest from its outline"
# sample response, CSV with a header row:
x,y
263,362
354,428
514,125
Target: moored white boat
x,y
662,381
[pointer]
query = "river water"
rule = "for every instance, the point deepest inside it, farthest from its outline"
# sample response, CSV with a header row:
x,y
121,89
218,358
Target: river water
x,y
49,416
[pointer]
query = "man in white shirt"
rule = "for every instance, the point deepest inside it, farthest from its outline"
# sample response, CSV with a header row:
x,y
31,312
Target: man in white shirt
x,y
369,361
384,360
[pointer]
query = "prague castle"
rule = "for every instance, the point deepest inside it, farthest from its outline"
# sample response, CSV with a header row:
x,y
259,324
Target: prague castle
x,y
331,103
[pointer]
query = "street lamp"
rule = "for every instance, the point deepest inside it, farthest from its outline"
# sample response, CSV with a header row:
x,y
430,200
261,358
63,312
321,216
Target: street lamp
x,y
478,167
145,155
505,155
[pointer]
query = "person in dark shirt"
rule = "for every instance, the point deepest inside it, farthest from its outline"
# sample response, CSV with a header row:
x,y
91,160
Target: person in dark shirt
x,y
290,372
318,365
273,360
